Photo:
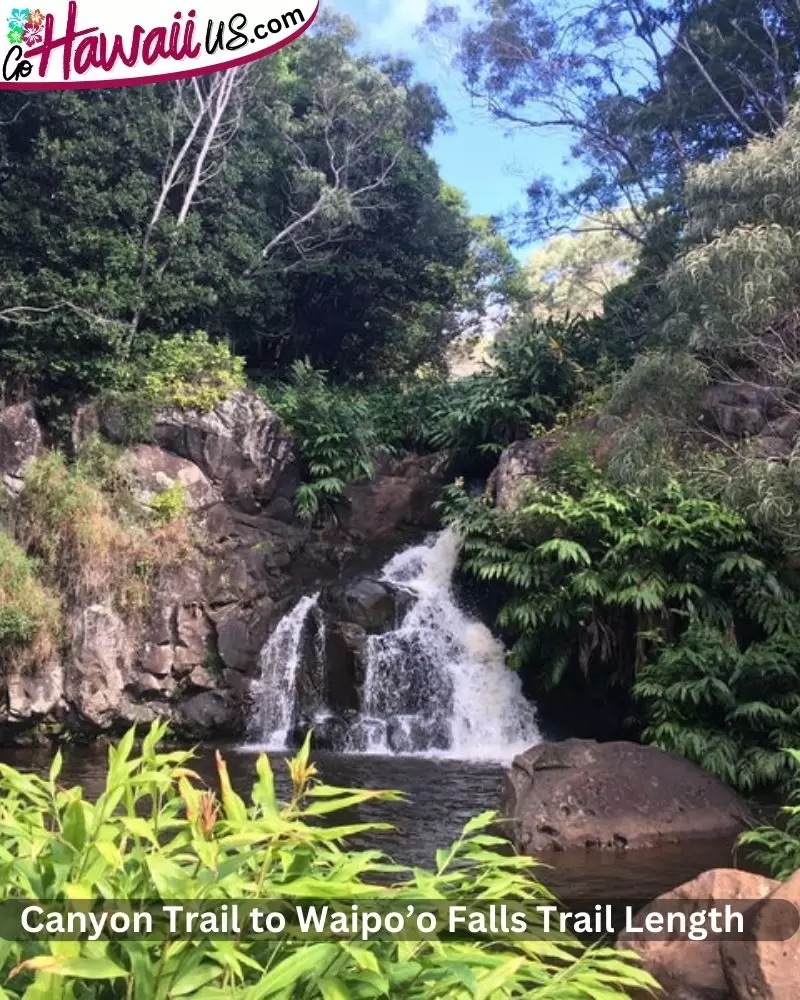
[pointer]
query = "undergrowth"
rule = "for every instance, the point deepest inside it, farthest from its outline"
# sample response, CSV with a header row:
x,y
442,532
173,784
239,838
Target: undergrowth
x,y
86,550
652,591
30,614
156,833
777,848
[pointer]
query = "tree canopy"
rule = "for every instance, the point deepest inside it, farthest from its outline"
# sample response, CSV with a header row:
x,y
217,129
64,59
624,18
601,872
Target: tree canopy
x,y
292,209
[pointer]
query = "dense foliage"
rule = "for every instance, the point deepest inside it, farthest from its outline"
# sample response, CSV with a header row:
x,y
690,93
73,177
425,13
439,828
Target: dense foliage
x,y
154,833
652,590
777,848
332,436
308,221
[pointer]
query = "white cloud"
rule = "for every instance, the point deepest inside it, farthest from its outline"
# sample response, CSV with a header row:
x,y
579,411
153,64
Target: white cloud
x,y
392,25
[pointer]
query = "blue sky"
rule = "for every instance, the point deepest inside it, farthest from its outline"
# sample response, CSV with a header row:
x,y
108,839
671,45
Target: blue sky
x,y
488,163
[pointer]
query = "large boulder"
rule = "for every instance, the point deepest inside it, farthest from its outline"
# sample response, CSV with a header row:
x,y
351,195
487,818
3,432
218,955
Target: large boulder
x,y
521,463
400,496
239,444
614,796
20,443
692,970
150,471
767,965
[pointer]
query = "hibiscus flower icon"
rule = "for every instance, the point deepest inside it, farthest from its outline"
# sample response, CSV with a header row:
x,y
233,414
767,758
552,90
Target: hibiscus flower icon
x,y
15,36
32,35
35,19
19,18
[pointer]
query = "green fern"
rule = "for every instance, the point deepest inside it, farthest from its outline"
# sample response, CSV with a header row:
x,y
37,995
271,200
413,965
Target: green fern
x,y
333,434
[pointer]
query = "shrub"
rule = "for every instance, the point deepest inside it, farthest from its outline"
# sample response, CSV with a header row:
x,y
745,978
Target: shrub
x,y
729,711
155,834
190,372
85,551
333,435
533,376
667,383
30,619
776,848
170,505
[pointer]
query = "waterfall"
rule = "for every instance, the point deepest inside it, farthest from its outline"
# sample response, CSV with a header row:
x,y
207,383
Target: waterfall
x,y
435,684
275,691
439,683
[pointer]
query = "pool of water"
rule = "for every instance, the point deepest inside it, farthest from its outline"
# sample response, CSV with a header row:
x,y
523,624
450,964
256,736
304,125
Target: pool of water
x,y
441,795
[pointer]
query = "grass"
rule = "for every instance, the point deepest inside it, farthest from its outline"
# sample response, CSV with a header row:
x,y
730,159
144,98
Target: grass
x,y
30,614
87,547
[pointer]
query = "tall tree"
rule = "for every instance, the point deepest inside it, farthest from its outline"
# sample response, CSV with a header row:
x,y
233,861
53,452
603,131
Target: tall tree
x,y
645,87
293,209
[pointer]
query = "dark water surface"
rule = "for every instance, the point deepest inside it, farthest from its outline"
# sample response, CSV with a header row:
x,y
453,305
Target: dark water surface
x,y
442,795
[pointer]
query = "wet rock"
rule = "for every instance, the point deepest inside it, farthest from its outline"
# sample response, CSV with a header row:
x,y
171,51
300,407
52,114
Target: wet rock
x,y
20,443
241,634
409,736
207,714
765,968
614,796
345,645
151,471
693,970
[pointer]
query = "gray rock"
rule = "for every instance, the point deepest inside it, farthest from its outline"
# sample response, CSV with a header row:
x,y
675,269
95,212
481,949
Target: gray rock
x,y
97,675
614,796
741,409
521,463
20,443
34,692
371,604
151,471
206,714
239,445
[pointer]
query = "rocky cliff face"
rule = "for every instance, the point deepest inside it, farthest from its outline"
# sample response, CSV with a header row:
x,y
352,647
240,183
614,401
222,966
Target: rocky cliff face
x,y
763,419
195,653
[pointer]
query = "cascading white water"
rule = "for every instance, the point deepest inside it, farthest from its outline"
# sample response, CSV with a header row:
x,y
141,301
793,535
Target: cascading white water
x,y
439,683
275,691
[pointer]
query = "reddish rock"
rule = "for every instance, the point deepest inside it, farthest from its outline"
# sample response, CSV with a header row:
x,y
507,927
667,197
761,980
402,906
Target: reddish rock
x,y
614,796
692,970
765,968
